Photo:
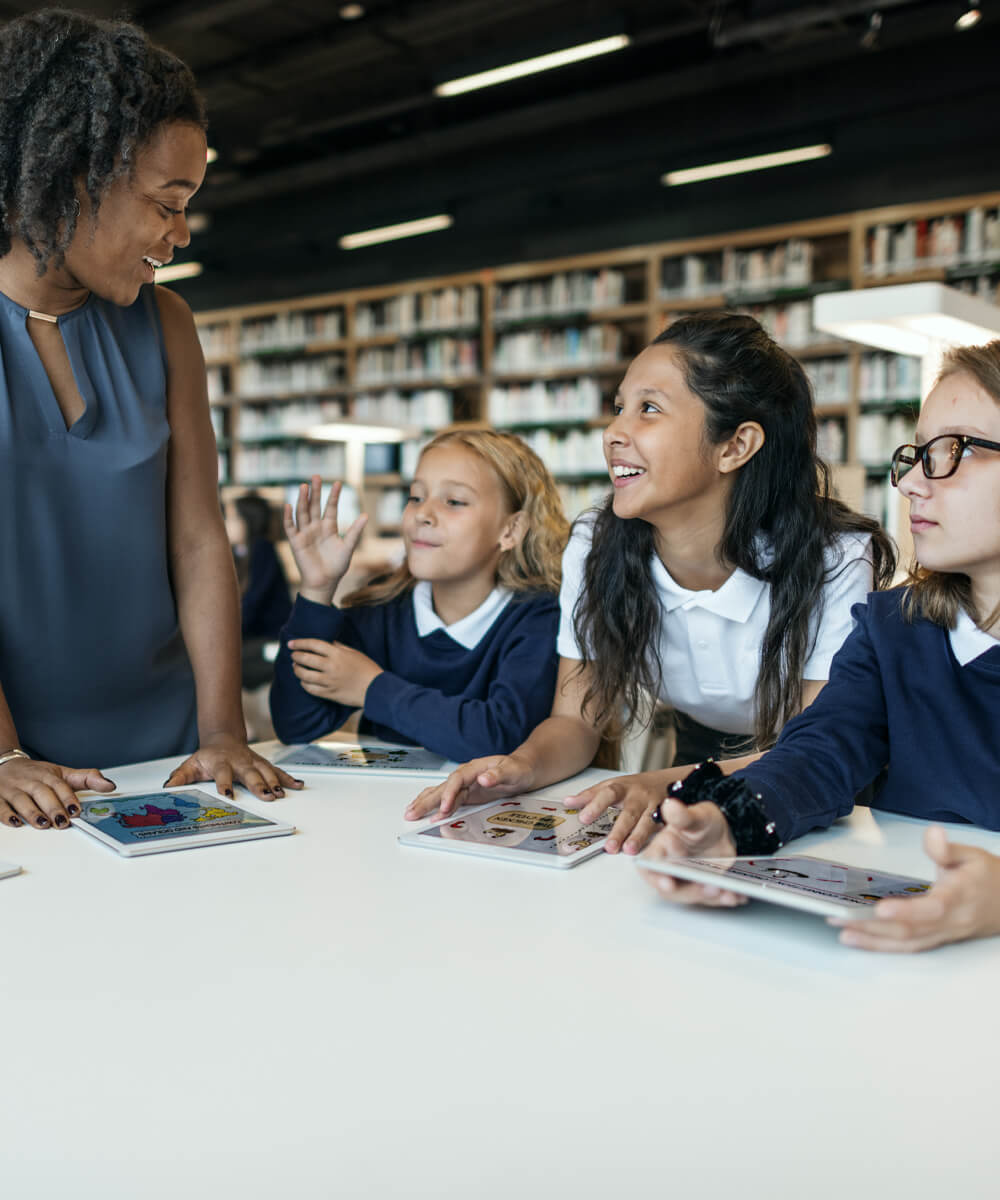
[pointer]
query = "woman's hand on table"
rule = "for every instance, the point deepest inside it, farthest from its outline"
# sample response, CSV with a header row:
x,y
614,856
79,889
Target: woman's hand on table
x,y
228,760
636,796
963,903
43,794
474,782
692,831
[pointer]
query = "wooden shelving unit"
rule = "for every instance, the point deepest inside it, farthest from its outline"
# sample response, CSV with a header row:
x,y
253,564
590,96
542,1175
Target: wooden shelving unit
x,y
540,348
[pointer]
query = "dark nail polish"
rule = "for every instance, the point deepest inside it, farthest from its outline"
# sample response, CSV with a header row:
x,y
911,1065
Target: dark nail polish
x,y
73,810
268,792
16,822
279,791
229,793
42,823
60,821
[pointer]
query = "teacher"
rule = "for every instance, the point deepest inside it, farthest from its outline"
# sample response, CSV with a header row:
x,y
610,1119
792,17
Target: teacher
x,y
119,610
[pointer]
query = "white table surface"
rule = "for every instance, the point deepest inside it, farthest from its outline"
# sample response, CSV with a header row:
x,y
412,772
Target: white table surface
x,y
332,1015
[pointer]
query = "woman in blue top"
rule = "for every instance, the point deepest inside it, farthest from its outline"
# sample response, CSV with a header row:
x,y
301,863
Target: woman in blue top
x,y
913,701
455,650
119,625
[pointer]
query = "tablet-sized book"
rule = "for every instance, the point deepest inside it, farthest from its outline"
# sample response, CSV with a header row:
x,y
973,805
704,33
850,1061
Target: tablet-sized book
x,y
177,819
365,755
7,869
527,829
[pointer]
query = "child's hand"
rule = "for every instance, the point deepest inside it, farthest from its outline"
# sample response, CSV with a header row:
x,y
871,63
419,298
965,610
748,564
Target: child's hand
x,y
43,794
637,796
474,782
321,554
333,671
963,903
695,831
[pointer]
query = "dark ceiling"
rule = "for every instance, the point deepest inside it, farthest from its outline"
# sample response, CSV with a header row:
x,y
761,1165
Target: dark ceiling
x,y
325,126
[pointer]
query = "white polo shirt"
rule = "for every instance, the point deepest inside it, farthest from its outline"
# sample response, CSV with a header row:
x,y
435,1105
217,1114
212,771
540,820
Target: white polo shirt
x,y
710,641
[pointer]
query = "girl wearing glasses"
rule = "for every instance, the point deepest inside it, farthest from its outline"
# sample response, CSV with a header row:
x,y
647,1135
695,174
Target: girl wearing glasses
x,y
913,697
719,576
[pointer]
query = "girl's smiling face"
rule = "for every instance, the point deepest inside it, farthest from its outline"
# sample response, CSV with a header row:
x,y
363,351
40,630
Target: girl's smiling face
x,y
956,521
655,447
456,522
141,217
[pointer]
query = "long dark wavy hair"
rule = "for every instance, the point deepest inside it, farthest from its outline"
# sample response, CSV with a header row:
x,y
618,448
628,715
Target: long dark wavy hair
x,y
78,98
779,522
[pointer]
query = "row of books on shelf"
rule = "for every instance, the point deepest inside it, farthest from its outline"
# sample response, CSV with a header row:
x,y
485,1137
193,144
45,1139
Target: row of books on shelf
x,y
830,380
436,358
544,402
259,377
293,418
418,312
878,435
791,325
428,408
290,331
831,440
966,238
788,264
564,292
553,349
569,452
280,462
888,378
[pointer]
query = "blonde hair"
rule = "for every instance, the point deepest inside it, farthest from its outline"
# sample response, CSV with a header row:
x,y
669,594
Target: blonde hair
x,y
533,565
940,595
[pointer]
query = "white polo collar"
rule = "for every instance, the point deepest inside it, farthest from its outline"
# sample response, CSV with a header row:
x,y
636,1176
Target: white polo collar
x,y
968,641
468,632
734,601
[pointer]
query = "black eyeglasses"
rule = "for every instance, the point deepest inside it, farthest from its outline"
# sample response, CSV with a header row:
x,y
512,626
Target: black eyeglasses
x,y
939,457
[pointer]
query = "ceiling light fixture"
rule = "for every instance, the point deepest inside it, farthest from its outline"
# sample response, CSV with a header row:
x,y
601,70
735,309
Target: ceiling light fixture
x,y
389,233
351,12
531,66
212,155
184,270
971,17
738,166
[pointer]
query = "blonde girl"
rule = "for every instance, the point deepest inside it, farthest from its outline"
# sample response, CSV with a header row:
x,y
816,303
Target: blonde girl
x,y
455,649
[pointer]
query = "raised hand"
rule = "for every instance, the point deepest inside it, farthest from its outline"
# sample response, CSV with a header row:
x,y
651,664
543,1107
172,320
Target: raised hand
x,y
321,553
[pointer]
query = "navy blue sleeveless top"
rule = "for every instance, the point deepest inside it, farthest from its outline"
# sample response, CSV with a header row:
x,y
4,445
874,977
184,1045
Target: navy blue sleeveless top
x,y
92,663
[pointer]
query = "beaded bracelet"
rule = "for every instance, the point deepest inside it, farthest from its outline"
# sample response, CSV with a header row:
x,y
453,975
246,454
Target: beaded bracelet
x,y
752,830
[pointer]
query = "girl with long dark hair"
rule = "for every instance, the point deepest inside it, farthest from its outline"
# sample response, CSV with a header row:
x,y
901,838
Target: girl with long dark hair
x,y
718,577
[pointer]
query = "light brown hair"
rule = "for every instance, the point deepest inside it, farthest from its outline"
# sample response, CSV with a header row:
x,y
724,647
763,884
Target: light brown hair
x,y
939,595
533,565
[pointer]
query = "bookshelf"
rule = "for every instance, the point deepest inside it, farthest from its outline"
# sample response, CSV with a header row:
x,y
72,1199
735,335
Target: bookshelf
x,y
539,348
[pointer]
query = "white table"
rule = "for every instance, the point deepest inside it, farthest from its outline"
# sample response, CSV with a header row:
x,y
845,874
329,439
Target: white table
x,y
330,1015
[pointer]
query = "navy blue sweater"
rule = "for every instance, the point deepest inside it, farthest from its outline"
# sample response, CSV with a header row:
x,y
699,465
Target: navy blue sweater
x,y
432,691
897,698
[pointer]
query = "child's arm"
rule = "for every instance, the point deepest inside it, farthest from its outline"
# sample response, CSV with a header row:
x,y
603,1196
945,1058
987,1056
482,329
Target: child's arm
x,y
299,716
963,903
320,553
561,745
461,727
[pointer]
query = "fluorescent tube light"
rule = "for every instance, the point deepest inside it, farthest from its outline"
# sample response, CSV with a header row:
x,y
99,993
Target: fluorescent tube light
x,y
184,270
971,17
737,166
531,66
389,233
350,431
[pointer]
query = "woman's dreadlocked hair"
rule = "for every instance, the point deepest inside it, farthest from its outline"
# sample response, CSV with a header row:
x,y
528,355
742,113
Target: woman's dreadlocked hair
x,y
78,98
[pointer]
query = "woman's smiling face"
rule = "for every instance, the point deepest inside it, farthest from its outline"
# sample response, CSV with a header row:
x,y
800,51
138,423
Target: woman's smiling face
x,y
141,217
